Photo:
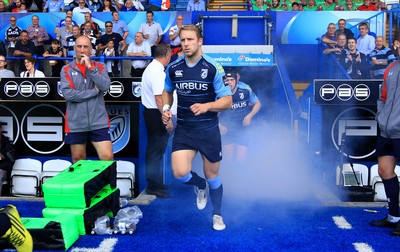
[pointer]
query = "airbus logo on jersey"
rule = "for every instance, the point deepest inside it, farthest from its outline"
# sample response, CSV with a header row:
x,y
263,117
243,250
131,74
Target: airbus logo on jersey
x,y
204,73
179,73
239,105
191,86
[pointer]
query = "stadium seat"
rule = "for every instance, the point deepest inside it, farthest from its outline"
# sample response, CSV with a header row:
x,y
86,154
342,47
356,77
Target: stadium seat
x,y
361,173
52,167
125,178
377,185
26,177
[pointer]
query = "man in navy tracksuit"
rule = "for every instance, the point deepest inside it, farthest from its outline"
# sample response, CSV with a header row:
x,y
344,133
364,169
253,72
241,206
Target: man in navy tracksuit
x,y
82,83
388,143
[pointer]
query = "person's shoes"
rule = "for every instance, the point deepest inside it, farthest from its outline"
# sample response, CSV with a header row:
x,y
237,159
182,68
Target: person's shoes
x,y
158,193
385,223
17,235
201,197
164,187
218,223
396,231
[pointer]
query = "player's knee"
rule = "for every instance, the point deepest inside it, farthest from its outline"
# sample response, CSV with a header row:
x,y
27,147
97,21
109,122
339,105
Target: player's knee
x,y
106,156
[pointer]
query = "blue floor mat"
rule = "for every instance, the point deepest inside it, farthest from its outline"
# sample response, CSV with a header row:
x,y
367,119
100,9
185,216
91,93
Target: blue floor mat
x,y
264,225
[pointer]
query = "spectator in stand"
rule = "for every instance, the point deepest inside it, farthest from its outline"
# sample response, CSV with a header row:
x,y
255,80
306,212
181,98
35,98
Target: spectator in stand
x,y
61,23
4,73
329,37
81,8
88,32
24,47
381,57
355,62
109,51
349,6
64,32
95,26
174,39
54,6
11,36
138,5
327,5
68,50
119,26
276,6
296,6
31,72
340,48
138,48
289,3
23,8
379,4
151,30
258,6
118,41
366,42
367,6
342,29
154,5
16,6
117,4
3,7
311,6
55,50
107,7
196,5
39,36
94,5
129,6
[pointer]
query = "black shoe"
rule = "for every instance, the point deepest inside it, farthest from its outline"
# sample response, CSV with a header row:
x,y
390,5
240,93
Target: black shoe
x,y
396,231
158,193
385,223
164,187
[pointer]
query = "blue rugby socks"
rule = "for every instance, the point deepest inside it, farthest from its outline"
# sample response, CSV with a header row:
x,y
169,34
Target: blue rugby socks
x,y
392,194
193,179
216,192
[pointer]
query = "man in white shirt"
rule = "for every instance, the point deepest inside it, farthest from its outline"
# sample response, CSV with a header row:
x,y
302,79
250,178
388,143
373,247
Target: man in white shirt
x,y
366,42
174,32
157,133
81,7
138,48
151,30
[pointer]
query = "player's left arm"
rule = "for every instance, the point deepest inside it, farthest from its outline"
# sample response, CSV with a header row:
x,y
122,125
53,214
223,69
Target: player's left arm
x,y
249,116
256,107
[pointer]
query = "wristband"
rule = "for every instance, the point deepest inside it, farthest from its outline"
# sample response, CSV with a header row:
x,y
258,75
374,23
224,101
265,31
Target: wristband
x,y
165,108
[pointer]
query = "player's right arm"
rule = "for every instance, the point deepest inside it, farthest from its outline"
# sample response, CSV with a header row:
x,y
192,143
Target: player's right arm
x,y
167,99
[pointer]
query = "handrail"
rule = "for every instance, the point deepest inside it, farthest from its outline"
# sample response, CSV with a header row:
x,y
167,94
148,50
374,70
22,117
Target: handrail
x,y
228,4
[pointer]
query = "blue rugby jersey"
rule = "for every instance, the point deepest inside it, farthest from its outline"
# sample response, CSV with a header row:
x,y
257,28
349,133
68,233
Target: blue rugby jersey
x,y
200,83
241,101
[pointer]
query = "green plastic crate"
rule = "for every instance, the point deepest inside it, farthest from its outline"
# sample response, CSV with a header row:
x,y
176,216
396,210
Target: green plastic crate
x,y
76,185
105,202
58,233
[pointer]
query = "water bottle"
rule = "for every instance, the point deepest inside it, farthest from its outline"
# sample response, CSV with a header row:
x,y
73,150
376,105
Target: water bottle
x,y
126,220
102,226
123,202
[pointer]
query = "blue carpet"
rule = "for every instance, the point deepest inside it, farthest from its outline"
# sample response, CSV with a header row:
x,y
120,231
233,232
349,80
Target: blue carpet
x,y
265,225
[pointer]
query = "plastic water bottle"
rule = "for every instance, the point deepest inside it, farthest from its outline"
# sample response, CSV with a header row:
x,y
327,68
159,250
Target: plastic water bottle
x,y
123,202
126,220
102,226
